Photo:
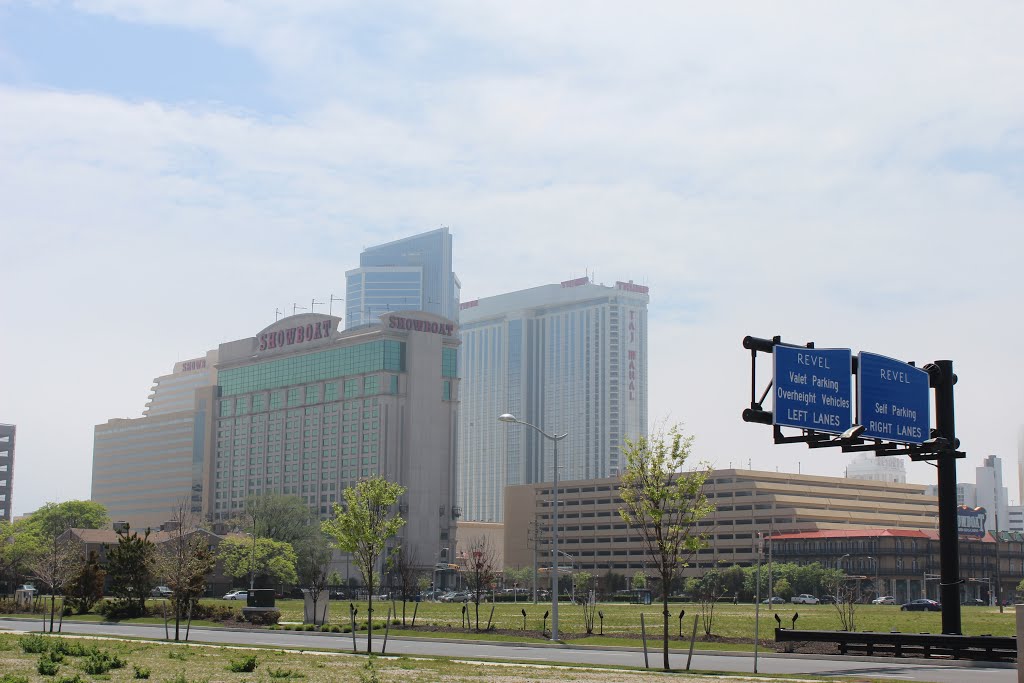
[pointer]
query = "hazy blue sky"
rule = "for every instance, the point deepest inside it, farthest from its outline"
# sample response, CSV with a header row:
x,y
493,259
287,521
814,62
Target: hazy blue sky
x,y
850,173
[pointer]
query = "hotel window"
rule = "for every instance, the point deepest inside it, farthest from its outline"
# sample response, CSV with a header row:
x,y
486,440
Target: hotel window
x,y
312,394
331,391
351,388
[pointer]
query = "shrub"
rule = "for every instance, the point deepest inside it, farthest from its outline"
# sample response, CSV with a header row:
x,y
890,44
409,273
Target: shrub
x,y
210,612
76,678
8,606
100,662
13,678
46,666
285,673
181,655
73,648
141,672
266,618
245,665
34,644
368,672
115,610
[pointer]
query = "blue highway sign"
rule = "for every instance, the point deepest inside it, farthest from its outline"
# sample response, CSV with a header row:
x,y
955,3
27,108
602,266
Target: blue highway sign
x,y
813,389
892,399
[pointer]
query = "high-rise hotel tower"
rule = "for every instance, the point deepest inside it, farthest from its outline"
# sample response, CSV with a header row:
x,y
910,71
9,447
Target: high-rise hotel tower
x,y
410,274
568,358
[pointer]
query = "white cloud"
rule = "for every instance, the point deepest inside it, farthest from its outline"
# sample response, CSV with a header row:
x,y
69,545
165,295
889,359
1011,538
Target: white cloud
x,y
767,170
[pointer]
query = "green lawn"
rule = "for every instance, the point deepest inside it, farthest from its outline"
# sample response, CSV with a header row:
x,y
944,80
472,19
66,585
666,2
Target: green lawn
x,y
177,663
622,621
731,621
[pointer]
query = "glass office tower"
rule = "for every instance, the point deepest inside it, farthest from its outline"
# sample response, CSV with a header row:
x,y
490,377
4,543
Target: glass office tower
x,y
410,274
568,358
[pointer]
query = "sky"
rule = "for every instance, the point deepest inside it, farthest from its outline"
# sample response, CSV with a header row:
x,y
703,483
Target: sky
x,y
847,173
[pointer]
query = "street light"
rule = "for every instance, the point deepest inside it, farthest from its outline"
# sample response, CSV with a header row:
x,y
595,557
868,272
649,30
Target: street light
x,y
838,585
508,417
572,575
878,590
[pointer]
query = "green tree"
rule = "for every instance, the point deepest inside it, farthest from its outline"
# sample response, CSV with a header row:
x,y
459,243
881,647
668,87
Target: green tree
x,y
86,588
664,503
733,578
53,558
639,581
363,526
313,560
706,591
782,588
53,519
279,516
613,582
183,561
267,561
17,547
131,565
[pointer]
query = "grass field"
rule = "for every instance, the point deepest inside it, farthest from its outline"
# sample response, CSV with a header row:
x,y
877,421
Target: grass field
x,y
172,663
622,621
731,621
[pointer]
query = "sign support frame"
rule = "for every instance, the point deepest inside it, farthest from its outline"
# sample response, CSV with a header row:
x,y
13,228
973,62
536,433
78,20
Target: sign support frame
x,y
942,447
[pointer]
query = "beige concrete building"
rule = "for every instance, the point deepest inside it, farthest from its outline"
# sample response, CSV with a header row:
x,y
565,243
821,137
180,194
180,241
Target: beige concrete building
x,y
142,467
594,536
308,410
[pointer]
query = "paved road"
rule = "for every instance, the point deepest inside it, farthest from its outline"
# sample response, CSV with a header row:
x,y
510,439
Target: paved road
x,y
910,670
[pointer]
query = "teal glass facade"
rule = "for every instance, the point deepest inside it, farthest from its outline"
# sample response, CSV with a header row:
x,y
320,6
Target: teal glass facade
x,y
449,362
373,356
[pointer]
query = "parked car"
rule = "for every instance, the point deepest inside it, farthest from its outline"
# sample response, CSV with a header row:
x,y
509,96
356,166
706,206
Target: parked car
x,y
921,605
775,600
460,596
827,599
161,592
236,595
884,600
975,601
804,599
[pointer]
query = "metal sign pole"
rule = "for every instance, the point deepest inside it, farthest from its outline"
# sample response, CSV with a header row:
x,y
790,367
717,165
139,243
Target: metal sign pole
x,y
949,555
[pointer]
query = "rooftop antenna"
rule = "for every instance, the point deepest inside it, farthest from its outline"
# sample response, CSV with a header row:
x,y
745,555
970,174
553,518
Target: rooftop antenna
x,y
330,307
277,313
313,303
296,307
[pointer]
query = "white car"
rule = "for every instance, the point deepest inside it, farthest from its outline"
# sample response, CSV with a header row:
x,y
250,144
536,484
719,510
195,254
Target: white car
x,y
884,600
236,595
804,599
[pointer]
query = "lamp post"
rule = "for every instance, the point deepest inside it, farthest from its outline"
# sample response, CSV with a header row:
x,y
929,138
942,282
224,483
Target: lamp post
x,y
508,417
840,565
878,590
572,576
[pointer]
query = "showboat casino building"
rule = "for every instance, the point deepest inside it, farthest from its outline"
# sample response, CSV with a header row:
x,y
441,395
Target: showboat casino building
x,y
307,409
